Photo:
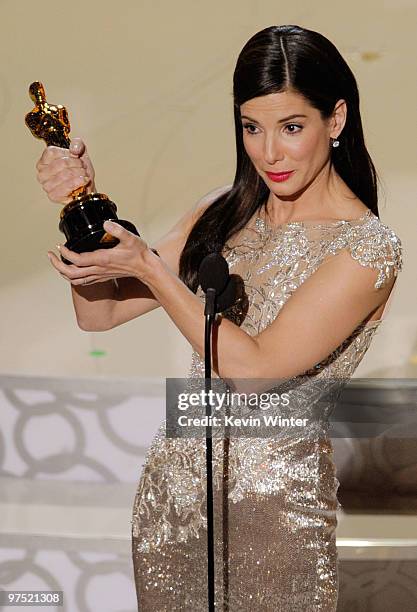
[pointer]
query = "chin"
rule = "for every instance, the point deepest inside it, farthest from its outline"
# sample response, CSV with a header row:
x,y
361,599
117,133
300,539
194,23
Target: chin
x,y
284,187
287,191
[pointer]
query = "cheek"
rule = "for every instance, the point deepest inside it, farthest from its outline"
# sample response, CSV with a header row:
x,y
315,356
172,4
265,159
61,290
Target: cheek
x,y
252,147
306,148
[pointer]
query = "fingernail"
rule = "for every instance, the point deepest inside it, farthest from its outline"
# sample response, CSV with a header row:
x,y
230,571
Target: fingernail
x,y
48,256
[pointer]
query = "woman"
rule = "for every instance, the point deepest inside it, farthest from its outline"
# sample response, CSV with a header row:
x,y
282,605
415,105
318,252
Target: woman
x,y
300,226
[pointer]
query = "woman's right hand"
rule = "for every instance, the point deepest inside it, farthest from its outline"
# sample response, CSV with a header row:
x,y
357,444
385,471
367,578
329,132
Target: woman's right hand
x,y
61,171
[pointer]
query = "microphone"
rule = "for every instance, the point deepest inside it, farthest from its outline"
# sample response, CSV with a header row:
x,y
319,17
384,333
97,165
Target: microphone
x,y
220,288
229,295
213,273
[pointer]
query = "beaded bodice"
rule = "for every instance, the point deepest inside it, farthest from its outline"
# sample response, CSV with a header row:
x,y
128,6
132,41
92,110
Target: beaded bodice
x,y
274,261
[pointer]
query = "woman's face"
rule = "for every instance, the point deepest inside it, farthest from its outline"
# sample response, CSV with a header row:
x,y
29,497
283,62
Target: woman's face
x,y
282,132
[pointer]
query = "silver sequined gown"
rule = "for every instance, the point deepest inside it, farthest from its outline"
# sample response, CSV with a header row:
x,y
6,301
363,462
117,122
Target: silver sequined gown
x,y
275,500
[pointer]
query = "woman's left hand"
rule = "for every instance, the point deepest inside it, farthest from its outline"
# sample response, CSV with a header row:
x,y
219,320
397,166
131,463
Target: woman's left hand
x,y
128,258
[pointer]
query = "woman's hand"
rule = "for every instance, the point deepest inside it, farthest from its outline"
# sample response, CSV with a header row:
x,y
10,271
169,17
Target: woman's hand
x,y
61,171
131,258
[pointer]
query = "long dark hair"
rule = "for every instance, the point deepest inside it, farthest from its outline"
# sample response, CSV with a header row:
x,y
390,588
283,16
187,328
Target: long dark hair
x,y
277,59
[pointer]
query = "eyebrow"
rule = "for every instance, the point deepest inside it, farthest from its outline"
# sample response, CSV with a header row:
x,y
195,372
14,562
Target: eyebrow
x,y
280,121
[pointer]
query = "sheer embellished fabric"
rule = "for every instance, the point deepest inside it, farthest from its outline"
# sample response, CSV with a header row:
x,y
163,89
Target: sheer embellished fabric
x,y
275,498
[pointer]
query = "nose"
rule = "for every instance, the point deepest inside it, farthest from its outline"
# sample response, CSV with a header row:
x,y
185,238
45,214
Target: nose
x,y
272,149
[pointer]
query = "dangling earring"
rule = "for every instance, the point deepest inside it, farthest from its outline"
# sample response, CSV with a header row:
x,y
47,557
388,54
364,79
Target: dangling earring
x,y
335,142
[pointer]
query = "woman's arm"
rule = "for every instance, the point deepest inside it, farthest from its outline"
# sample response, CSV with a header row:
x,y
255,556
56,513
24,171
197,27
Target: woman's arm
x,y
103,305
316,319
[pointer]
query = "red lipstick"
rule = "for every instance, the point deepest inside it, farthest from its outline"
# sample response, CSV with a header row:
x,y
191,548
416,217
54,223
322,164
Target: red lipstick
x,y
278,177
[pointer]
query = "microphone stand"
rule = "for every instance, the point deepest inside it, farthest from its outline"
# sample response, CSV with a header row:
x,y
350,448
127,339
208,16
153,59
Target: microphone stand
x,y
209,313
220,289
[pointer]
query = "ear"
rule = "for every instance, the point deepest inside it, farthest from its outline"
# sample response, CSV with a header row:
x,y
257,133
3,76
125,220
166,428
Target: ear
x,y
338,118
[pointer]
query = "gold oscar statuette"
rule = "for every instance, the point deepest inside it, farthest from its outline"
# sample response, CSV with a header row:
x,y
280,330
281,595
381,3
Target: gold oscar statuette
x,y
82,219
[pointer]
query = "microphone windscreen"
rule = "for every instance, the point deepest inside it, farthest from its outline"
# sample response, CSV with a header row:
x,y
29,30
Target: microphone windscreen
x,y
213,273
228,296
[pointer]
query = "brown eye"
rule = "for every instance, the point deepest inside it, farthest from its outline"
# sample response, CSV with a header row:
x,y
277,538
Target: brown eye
x,y
247,126
294,125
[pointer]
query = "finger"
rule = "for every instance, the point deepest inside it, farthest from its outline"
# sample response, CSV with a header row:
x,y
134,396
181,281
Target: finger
x,y
50,153
65,277
59,198
67,271
87,280
61,191
86,161
118,231
98,258
64,182
100,279
65,177
46,171
88,170
70,271
77,147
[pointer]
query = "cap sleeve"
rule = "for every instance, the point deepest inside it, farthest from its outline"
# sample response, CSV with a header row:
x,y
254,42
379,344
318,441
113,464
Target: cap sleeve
x,y
376,245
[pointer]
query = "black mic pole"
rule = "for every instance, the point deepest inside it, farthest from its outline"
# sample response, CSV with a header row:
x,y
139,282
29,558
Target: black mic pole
x,y
209,317
214,277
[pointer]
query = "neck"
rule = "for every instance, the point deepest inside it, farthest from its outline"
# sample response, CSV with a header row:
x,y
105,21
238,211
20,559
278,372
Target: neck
x,y
326,196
